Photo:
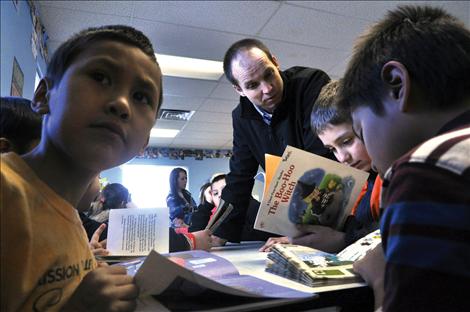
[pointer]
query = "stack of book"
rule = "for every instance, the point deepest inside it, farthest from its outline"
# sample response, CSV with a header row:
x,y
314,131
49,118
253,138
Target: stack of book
x,y
313,267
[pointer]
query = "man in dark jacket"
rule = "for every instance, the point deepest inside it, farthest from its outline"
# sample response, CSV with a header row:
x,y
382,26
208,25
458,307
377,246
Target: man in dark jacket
x,y
274,112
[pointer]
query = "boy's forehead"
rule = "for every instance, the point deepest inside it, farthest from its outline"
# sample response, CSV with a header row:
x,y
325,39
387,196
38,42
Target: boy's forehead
x,y
120,50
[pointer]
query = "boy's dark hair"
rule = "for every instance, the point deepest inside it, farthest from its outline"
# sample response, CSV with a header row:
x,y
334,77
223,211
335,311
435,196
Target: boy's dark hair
x,y
174,175
70,49
19,123
325,112
433,46
242,45
115,195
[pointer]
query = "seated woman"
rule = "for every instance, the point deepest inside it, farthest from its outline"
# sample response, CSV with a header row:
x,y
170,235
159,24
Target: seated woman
x,y
179,200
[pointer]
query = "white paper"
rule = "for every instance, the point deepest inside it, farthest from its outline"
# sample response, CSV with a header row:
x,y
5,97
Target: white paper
x,y
136,231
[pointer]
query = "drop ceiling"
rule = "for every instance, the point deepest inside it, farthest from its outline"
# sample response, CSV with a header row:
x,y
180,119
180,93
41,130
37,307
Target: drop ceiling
x,y
308,33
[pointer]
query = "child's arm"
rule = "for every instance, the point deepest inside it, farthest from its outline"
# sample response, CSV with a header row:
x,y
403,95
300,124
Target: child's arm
x,y
107,288
372,270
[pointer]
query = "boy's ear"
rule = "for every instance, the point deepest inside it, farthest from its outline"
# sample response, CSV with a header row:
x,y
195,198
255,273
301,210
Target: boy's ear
x,y
397,83
40,102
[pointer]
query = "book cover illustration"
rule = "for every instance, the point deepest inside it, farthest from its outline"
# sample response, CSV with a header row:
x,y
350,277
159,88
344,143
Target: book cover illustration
x,y
308,189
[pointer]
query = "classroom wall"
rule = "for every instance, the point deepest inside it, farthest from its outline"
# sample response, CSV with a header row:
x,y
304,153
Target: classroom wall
x,y
16,28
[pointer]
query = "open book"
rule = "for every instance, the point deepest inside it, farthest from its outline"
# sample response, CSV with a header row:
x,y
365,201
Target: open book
x,y
197,270
307,189
137,231
314,267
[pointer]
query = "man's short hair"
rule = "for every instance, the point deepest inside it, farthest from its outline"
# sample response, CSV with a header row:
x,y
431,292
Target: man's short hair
x,y
325,112
242,45
70,49
433,46
18,122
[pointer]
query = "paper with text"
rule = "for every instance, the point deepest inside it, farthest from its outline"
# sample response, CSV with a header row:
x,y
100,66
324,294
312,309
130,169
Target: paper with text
x,y
137,231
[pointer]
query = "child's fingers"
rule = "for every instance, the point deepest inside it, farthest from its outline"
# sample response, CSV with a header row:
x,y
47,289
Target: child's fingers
x,y
96,235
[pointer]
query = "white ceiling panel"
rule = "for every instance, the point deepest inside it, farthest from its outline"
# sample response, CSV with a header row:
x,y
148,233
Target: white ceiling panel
x,y
187,87
169,124
187,41
122,8
209,126
201,116
310,27
226,92
245,17
316,34
290,54
369,10
218,105
181,102
63,23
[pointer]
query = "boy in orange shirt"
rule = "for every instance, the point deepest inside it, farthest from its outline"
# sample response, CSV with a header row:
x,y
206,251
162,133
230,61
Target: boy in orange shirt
x,y
99,99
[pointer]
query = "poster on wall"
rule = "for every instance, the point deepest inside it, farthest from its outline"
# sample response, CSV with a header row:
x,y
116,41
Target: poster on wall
x,y
17,79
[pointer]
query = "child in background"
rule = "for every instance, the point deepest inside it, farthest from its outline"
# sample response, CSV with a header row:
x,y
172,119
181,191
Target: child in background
x,y
20,126
407,86
99,99
113,196
334,128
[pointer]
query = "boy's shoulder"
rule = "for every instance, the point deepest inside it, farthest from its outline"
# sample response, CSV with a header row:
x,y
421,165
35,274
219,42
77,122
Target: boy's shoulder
x,y
448,151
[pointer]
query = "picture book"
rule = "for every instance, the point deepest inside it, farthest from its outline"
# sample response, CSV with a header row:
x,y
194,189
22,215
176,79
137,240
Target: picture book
x,y
307,189
314,267
137,231
197,270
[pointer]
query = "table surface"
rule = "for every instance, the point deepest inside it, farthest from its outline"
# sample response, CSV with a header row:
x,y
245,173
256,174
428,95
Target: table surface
x,y
249,261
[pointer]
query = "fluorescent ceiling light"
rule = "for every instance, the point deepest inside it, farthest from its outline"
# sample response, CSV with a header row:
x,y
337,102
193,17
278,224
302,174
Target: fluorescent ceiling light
x,y
163,133
186,67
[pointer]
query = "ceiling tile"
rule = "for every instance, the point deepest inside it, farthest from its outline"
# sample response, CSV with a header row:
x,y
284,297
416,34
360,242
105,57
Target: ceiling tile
x,y
170,124
186,41
200,116
314,28
217,15
218,105
290,54
187,87
225,91
209,126
181,102
122,8
60,24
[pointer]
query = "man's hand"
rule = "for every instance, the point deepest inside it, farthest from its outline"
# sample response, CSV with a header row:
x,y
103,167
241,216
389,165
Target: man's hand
x,y
274,240
203,239
98,248
107,288
372,270
320,237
